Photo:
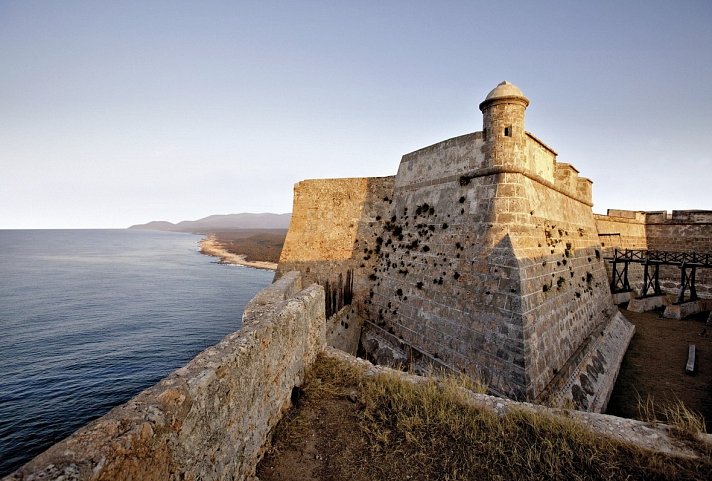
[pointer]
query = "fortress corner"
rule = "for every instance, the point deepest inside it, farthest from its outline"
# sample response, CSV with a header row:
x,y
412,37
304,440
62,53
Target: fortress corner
x,y
481,256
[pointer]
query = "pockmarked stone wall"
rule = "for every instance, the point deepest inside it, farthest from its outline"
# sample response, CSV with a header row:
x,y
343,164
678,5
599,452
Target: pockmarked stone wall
x,y
501,277
343,330
210,419
492,263
486,260
335,236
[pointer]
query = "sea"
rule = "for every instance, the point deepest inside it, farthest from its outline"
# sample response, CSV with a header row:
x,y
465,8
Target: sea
x,y
89,318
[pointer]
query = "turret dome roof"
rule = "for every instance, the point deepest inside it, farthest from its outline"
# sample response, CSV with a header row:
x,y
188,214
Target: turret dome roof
x,y
505,90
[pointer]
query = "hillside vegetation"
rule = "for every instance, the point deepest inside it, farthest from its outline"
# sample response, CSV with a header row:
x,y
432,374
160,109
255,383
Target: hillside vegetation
x,y
255,244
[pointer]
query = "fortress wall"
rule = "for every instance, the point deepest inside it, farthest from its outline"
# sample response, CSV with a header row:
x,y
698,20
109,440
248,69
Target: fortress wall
x,y
566,177
621,229
308,238
343,330
335,235
435,288
489,263
564,286
683,231
576,337
446,160
542,159
210,419
463,270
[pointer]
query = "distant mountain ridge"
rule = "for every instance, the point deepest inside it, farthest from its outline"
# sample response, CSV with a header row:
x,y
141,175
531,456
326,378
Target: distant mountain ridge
x,y
220,222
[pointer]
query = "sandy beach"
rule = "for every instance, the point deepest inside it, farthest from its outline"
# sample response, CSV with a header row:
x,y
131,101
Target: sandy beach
x,y
212,247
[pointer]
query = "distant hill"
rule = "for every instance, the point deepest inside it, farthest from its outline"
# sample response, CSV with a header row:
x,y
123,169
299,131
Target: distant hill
x,y
224,222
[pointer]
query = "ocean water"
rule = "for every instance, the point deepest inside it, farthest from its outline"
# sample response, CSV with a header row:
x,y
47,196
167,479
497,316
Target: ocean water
x,y
89,318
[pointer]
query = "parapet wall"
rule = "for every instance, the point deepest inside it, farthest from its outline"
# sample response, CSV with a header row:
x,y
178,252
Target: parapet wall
x,y
210,419
656,437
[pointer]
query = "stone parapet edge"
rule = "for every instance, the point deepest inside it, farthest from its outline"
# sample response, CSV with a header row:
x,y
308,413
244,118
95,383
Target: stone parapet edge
x,y
654,437
211,418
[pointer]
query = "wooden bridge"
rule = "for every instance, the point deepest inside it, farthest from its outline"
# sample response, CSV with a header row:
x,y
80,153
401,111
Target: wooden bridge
x,y
688,263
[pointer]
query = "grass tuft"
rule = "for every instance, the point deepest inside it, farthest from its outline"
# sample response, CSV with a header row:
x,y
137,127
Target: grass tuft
x,y
684,423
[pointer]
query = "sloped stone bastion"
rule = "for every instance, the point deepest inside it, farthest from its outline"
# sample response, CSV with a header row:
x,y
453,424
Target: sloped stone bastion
x,y
482,254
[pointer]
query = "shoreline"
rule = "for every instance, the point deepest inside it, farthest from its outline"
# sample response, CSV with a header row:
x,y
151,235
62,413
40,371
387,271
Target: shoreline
x,y
210,246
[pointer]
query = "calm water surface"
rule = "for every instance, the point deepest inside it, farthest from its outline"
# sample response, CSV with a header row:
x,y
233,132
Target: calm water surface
x,y
89,318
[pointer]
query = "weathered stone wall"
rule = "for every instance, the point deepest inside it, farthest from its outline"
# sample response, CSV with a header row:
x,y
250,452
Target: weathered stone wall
x,y
541,158
592,370
433,269
335,236
565,295
495,271
210,419
621,229
682,231
486,259
343,330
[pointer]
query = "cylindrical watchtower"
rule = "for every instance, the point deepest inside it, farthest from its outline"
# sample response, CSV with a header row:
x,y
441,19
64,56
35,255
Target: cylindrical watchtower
x,y
503,126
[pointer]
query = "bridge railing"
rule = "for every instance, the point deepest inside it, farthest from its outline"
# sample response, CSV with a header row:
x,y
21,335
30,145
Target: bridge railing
x,y
688,262
661,257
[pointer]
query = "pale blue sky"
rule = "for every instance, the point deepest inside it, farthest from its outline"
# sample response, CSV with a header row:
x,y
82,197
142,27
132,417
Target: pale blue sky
x,y
114,113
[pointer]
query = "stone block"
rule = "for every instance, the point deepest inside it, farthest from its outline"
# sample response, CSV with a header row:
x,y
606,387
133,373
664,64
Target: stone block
x,y
681,311
645,304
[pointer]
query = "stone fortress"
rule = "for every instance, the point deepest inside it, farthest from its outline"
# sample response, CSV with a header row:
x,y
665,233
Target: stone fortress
x,y
481,255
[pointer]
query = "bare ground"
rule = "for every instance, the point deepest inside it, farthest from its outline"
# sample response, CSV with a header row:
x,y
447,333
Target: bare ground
x,y
319,439
654,366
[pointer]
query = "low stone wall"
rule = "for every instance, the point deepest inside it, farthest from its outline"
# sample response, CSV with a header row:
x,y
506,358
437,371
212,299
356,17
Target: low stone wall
x,y
210,419
656,437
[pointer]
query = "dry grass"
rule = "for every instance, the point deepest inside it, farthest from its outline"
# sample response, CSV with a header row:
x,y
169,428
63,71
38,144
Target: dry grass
x,y
428,430
684,423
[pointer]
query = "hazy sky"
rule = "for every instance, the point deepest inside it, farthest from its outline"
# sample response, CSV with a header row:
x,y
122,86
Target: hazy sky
x,y
115,113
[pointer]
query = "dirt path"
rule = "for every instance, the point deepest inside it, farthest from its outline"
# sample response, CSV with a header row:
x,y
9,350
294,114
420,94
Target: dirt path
x,y
654,366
